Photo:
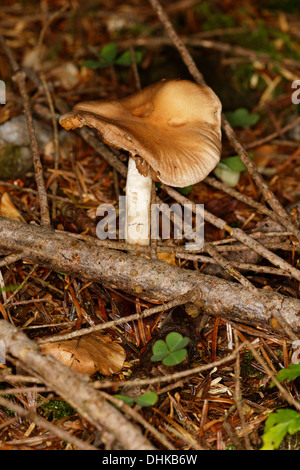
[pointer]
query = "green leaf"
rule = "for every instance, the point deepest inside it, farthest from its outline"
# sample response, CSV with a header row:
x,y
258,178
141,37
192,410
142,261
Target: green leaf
x,y
126,59
277,425
242,118
9,288
92,64
160,350
185,191
234,163
176,341
175,358
171,351
128,400
147,399
228,170
291,373
109,52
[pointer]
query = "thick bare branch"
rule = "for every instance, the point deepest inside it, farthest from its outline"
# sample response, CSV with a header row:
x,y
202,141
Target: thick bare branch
x,y
147,278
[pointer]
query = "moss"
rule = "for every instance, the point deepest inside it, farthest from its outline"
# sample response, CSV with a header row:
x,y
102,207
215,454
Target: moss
x,y
60,408
263,39
247,370
14,161
8,411
213,18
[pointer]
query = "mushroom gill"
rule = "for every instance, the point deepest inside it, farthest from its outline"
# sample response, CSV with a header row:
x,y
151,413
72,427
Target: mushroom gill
x,y
172,131
173,125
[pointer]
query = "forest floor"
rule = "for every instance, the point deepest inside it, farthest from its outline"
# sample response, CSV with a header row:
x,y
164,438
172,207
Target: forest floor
x,y
219,394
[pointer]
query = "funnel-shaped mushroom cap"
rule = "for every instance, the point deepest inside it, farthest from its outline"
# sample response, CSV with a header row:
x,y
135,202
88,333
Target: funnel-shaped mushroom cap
x,y
172,128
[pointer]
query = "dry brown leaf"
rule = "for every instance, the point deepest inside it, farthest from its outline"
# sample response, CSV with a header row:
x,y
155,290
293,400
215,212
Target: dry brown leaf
x,y
8,209
88,354
167,258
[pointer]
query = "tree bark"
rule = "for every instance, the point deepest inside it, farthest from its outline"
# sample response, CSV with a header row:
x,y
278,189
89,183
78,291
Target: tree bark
x,y
149,279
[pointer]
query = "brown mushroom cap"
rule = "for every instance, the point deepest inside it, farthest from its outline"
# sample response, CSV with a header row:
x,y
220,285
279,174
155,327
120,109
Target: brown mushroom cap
x,y
172,128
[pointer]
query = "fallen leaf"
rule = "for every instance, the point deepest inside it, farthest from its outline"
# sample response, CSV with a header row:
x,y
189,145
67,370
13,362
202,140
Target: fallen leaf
x,y
88,354
167,258
8,209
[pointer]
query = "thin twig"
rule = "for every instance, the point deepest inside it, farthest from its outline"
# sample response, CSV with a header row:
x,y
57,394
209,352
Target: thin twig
x,y
286,395
228,266
52,17
261,184
243,198
236,264
11,259
135,69
55,140
20,287
56,14
20,78
238,234
41,422
238,395
138,418
268,138
190,296
181,375
209,248
187,58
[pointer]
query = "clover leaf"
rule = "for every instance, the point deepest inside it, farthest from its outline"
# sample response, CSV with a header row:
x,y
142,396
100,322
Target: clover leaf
x,y
171,351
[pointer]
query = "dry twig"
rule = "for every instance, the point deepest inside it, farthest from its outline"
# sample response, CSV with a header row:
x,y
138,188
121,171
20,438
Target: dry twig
x,y
188,60
19,77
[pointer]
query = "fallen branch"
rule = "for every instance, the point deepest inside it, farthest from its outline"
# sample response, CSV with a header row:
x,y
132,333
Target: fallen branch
x,y
87,401
150,279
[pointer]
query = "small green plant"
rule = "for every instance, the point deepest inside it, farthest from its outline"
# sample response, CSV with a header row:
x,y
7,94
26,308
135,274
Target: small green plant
x,y
242,118
234,163
277,425
147,399
283,421
289,374
229,170
171,351
186,190
109,56
8,288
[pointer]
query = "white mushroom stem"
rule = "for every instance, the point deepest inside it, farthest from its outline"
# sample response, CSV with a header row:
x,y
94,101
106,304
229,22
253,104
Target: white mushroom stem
x,y
138,203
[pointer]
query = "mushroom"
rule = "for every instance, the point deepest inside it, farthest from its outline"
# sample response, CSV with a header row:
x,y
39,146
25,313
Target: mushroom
x,y
172,131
